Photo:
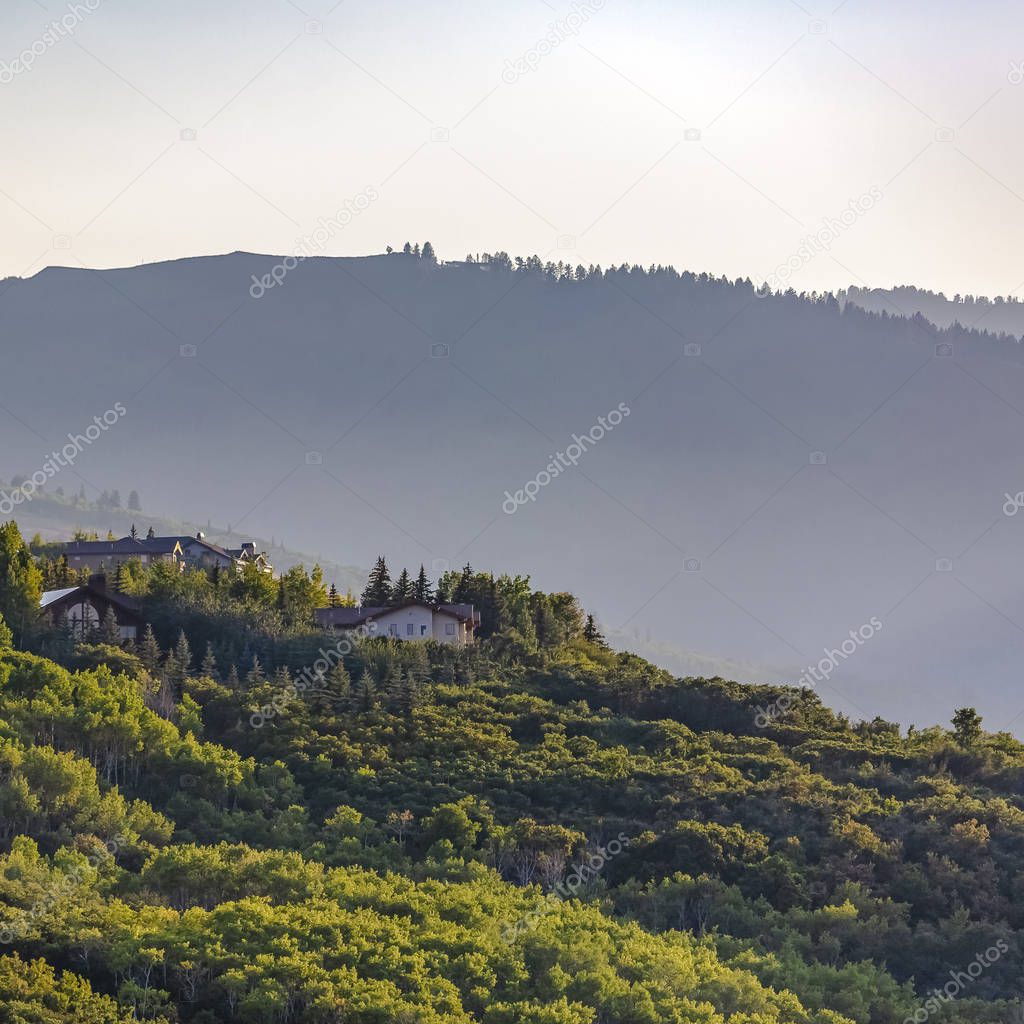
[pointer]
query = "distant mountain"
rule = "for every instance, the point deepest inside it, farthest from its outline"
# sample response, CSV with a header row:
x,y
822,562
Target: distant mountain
x,y
998,316
788,469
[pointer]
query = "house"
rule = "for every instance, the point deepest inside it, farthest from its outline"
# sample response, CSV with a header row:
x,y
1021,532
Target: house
x,y
85,607
443,623
247,553
198,551
105,555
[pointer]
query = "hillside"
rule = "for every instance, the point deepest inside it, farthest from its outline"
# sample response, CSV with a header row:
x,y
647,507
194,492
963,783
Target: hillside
x,y
530,830
790,468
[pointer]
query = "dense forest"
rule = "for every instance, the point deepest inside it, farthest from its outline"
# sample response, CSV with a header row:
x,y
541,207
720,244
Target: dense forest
x,y
240,818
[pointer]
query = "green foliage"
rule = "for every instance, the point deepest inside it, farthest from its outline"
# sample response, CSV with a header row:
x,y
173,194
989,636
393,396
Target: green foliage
x,y
531,829
21,584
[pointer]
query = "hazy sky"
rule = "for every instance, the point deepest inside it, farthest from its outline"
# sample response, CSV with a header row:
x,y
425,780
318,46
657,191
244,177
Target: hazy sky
x,y
711,135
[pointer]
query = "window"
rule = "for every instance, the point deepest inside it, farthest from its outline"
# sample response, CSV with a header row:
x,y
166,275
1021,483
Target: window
x,y
449,628
423,630
410,629
393,629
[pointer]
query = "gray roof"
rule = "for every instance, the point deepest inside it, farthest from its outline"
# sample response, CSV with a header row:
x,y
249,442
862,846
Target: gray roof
x,y
126,546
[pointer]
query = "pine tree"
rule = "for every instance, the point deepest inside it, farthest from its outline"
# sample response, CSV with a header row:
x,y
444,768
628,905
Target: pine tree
x,y
122,578
133,532
134,503
150,534
378,586
183,653
21,583
402,590
333,600
408,694
6,636
209,666
110,632
421,590
428,253
464,588
233,682
593,634
149,650
366,692
255,675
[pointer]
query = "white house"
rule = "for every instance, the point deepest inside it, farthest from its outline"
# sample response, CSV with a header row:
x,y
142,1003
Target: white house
x,y
444,623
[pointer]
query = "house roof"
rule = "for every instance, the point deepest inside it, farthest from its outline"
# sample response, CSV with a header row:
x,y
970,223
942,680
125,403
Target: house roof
x,y
127,546
50,596
203,543
359,615
95,588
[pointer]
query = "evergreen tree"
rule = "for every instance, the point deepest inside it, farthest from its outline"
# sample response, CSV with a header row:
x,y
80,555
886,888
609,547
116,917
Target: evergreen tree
x,y
6,636
233,682
407,249
333,600
378,586
403,589
255,675
183,653
110,632
122,578
366,692
428,253
133,533
421,590
134,503
150,535
593,634
149,650
464,588
209,666
21,583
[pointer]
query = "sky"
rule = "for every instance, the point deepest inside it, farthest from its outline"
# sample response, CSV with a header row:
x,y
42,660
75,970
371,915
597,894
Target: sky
x,y
714,136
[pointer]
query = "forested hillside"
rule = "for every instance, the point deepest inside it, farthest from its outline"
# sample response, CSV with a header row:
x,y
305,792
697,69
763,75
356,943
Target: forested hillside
x,y
241,819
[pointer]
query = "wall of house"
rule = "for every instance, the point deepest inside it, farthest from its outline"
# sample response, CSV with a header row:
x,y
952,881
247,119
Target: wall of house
x,y
399,622
445,634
